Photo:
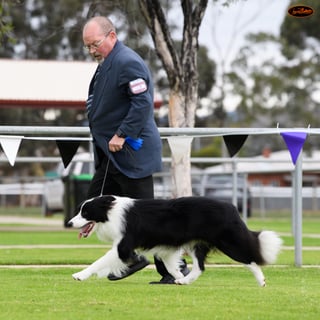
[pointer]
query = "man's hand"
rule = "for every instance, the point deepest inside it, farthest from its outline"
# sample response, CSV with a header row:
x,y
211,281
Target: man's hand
x,y
116,143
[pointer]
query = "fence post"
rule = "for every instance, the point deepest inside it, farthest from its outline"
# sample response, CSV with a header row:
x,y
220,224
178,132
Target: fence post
x,y
297,214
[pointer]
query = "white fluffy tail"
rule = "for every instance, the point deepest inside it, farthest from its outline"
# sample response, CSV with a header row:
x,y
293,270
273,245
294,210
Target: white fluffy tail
x,y
270,246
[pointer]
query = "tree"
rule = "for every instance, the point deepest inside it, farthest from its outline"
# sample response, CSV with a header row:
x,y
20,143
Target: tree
x,y
52,30
182,72
297,31
276,90
5,25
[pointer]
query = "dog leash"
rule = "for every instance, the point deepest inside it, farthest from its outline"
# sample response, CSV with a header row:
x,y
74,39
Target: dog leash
x,y
105,177
135,144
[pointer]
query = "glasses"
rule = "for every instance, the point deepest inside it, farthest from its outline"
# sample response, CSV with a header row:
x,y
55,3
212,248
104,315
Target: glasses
x,y
96,45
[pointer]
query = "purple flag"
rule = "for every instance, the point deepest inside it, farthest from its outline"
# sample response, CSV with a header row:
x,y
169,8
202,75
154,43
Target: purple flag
x,y
294,142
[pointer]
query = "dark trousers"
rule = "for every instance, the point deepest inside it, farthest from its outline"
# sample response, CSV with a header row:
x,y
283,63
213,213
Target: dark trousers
x,y
118,184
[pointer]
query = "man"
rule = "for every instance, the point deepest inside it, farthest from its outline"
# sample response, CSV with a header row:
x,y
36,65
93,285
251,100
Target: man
x,y
120,111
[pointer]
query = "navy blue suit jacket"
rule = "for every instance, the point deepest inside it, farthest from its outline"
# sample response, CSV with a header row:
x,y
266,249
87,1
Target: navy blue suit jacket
x,y
115,107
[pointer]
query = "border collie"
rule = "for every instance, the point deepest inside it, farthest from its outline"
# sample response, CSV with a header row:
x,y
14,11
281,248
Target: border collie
x,y
167,228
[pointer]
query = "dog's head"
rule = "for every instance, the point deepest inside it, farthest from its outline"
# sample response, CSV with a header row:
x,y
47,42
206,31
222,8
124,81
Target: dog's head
x,y
90,212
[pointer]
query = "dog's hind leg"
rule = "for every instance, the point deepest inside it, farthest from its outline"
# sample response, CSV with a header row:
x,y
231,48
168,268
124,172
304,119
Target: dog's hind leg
x,y
108,263
257,272
243,246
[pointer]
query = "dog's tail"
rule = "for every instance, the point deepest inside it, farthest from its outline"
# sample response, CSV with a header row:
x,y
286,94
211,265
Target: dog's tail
x,y
270,246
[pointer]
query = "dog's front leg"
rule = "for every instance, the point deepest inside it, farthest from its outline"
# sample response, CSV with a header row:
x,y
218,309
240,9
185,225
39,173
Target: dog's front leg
x,y
171,260
110,262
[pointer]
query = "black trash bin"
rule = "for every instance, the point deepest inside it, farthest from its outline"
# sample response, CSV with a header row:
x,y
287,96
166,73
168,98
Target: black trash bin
x,y
75,191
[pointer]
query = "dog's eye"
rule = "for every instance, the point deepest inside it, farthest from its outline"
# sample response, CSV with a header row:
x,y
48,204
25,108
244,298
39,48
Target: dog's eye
x,y
84,213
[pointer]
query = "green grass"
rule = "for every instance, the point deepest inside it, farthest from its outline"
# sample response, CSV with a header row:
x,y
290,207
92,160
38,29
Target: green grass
x,y
222,292
20,211
78,253
43,237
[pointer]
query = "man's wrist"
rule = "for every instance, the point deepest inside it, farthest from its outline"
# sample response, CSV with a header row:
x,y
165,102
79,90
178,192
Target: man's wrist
x,y
120,134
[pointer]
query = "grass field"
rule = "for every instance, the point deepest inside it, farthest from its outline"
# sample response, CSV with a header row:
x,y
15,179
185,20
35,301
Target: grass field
x,y
220,293
225,290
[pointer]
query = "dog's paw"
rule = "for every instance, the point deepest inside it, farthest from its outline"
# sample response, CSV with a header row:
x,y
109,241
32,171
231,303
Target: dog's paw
x,y
189,278
181,281
80,276
262,283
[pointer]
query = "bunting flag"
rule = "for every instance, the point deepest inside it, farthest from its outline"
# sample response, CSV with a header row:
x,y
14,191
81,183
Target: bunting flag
x,y
10,146
294,142
234,143
67,149
179,146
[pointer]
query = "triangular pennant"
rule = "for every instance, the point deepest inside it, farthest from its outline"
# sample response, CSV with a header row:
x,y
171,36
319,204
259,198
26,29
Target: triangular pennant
x,y
179,146
67,149
234,143
10,146
294,142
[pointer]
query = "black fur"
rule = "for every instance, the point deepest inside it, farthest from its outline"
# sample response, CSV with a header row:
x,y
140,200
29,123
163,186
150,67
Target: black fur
x,y
208,223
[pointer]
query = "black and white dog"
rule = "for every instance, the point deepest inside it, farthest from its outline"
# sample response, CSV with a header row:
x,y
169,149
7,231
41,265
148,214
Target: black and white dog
x,y
168,228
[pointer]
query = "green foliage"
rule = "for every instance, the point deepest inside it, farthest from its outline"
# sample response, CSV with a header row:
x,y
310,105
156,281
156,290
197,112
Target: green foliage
x,y
275,89
6,26
48,29
212,149
296,31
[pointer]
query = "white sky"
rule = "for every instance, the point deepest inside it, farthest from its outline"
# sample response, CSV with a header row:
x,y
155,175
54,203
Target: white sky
x,y
223,28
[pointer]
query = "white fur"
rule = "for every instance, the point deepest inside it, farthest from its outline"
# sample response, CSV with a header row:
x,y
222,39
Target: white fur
x,y
270,246
195,271
112,230
109,263
171,258
257,272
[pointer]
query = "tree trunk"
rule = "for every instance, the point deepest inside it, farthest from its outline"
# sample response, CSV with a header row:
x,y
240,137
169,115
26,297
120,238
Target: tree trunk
x,y
180,149
182,74
181,169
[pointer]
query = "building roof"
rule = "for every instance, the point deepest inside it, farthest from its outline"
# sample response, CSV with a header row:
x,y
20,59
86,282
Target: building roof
x,y
44,80
279,161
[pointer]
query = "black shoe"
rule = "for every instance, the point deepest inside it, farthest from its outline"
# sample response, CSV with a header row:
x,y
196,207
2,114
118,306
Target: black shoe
x,y
184,267
169,279
139,264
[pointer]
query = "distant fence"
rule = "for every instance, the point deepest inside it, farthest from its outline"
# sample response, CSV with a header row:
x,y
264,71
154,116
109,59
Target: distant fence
x,y
26,193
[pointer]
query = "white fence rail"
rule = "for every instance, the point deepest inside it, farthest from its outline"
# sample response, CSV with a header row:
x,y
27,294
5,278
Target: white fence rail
x,y
23,190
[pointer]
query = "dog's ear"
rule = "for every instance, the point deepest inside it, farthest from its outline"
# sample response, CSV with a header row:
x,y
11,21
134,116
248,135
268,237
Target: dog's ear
x,y
105,202
96,209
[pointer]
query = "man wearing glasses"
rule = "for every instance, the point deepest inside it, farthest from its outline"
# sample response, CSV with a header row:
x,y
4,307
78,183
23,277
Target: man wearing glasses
x,y
120,106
